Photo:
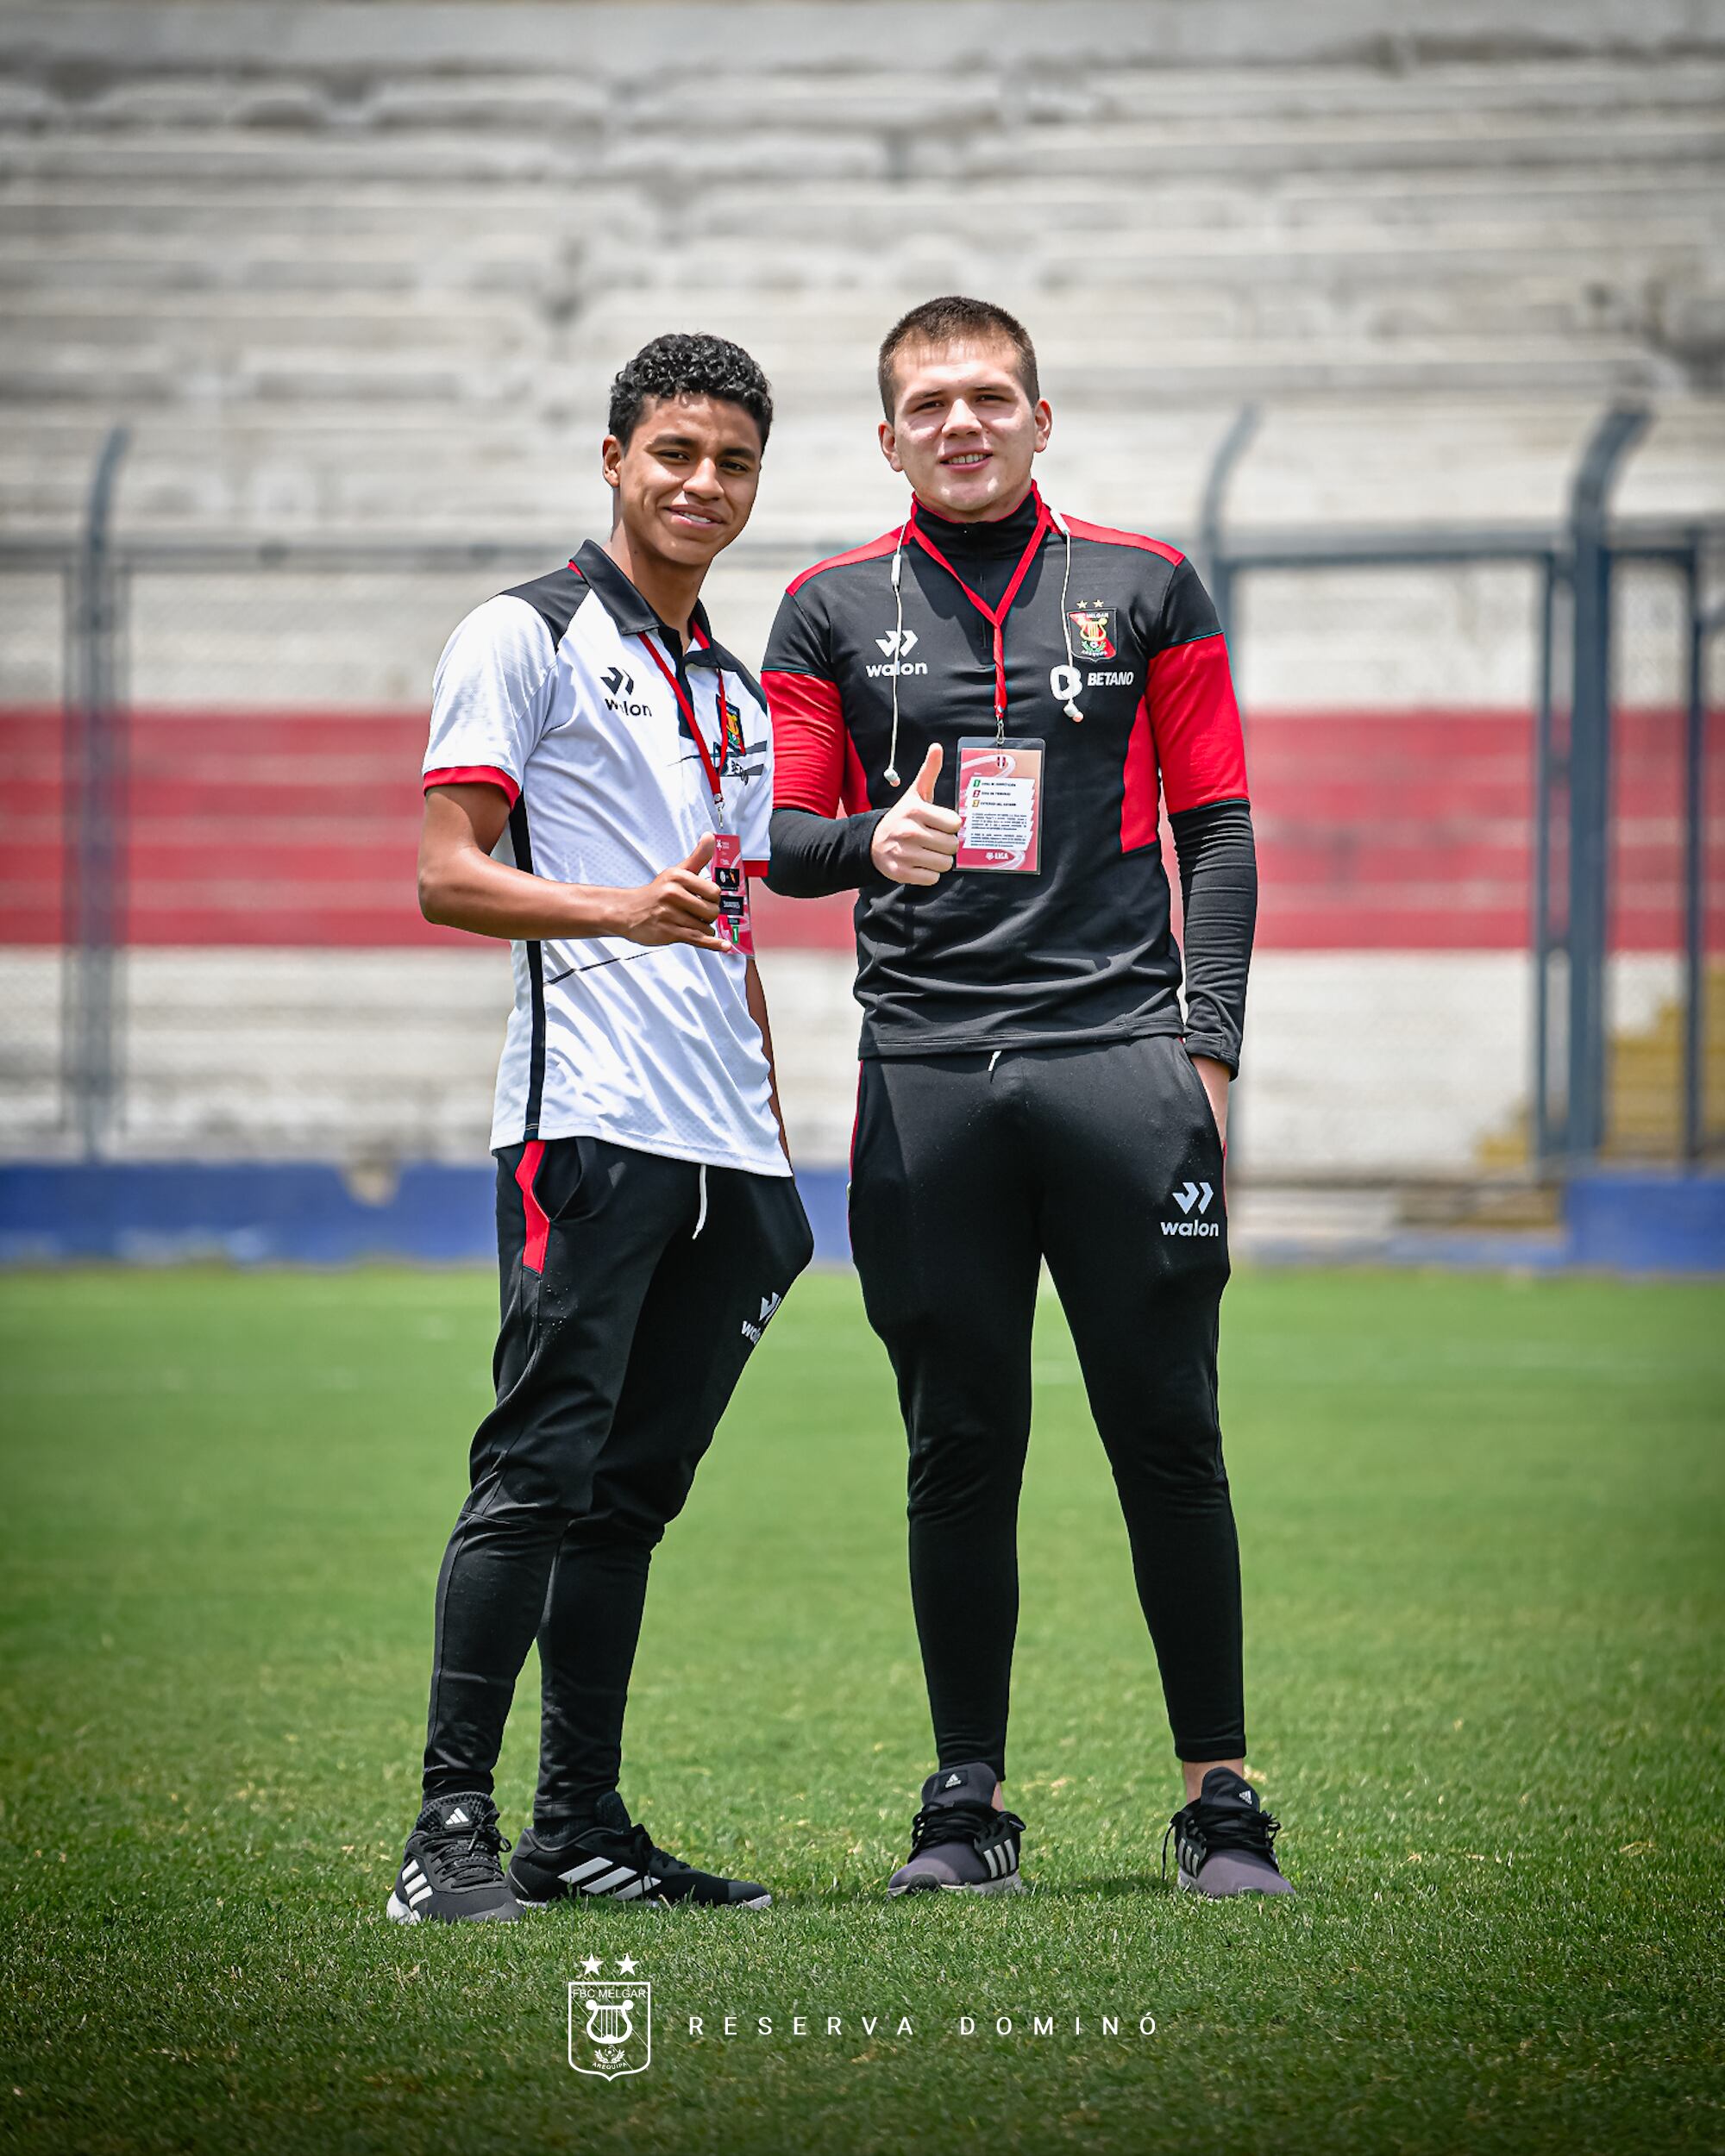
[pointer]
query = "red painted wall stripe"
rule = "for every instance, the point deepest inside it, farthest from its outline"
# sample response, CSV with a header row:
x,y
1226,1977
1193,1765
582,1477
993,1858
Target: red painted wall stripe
x,y
1406,830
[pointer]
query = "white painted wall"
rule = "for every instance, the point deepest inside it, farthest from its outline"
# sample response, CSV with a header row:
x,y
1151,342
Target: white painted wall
x,y
1359,1065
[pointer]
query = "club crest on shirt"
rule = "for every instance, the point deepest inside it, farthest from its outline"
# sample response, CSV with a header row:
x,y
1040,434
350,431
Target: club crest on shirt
x,y
1093,630
736,749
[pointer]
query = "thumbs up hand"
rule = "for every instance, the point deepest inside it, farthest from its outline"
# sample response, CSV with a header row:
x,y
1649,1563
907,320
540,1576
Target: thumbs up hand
x,y
679,906
915,842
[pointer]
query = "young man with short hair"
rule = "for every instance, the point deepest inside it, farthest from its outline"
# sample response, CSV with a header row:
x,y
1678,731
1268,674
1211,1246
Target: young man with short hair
x,y
972,717
598,790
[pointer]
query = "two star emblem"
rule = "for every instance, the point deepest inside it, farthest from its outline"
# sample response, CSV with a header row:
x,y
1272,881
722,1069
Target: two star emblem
x,y
592,1964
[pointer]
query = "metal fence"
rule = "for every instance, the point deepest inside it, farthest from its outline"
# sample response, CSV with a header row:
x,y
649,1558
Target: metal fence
x,y
210,636
1628,617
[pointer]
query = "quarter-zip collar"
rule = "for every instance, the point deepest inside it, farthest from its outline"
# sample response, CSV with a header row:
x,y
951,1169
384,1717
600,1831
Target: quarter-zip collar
x,y
976,542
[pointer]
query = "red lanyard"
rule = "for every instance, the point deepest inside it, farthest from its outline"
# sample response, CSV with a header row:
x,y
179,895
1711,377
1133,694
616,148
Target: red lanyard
x,y
689,712
994,615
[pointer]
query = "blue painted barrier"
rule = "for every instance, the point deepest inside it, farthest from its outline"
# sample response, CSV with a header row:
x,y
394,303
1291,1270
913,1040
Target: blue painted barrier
x,y
293,1212
1637,1222
283,1213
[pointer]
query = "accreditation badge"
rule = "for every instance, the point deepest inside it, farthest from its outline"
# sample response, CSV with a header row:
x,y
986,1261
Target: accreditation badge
x,y
1000,806
732,926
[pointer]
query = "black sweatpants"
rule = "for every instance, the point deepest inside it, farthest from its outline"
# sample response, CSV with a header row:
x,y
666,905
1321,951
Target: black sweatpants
x,y
624,1331
968,1171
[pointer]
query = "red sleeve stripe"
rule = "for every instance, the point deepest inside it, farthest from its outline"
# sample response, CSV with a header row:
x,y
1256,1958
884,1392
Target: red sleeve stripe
x,y
808,741
474,774
1105,535
1196,724
885,544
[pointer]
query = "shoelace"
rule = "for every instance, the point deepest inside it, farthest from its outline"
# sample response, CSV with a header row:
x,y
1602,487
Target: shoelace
x,y
648,1858
936,1823
476,1862
1214,1826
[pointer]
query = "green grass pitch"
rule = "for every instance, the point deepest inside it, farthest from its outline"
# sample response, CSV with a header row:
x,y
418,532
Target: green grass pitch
x,y
1482,1522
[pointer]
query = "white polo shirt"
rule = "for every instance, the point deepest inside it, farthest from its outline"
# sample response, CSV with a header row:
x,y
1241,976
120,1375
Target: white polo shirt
x,y
550,692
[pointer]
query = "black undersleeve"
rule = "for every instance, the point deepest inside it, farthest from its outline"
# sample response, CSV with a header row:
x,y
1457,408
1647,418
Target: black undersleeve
x,y
815,855
1218,890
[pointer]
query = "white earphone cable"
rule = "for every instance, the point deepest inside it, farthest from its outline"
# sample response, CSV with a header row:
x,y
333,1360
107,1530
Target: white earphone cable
x,y
1059,523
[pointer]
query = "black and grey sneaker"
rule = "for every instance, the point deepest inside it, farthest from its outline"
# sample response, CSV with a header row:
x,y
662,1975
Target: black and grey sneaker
x,y
451,1872
613,1861
1224,1840
959,1840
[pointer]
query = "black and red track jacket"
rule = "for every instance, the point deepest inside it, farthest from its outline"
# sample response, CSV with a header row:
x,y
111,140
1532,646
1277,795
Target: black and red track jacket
x,y
1082,951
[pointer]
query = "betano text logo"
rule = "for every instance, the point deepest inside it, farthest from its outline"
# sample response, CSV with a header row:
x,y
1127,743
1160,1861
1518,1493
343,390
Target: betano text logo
x,y
898,644
1186,1197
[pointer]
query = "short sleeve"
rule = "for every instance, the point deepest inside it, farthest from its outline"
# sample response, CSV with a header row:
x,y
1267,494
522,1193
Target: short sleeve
x,y
1190,696
490,697
808,721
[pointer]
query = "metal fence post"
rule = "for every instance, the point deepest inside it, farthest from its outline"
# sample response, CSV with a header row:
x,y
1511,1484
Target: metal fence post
x,y
1589,775
1545,778
1217,569
1695,868
95,793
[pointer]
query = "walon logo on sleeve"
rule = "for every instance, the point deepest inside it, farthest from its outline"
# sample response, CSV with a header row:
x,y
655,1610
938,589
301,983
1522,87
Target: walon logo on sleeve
x,y
610,2025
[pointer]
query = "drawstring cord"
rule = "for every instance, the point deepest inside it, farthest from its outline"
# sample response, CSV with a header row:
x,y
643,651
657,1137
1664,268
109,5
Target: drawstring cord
x,y
700,1217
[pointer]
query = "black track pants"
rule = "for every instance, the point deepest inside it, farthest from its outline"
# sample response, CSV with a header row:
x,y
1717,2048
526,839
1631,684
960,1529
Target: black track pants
x,y
623,1334
968,1172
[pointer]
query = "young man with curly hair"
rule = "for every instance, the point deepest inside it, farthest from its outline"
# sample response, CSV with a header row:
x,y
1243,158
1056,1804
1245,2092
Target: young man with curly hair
x,y
598,785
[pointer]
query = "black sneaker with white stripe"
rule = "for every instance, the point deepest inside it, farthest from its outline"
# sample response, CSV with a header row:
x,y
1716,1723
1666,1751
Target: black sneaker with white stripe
x,y
959,1842
452,1871
1224,1842
614,1860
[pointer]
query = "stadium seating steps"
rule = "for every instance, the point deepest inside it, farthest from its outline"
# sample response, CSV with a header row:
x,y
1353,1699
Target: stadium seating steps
x,y
405,276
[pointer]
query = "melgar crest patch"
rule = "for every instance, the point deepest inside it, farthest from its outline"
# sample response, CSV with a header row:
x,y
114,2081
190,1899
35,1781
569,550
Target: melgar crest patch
x,y
735,747
1093,632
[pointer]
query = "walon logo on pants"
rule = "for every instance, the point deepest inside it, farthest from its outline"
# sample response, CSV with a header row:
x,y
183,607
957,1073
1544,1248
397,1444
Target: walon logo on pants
x,y
1188,1196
